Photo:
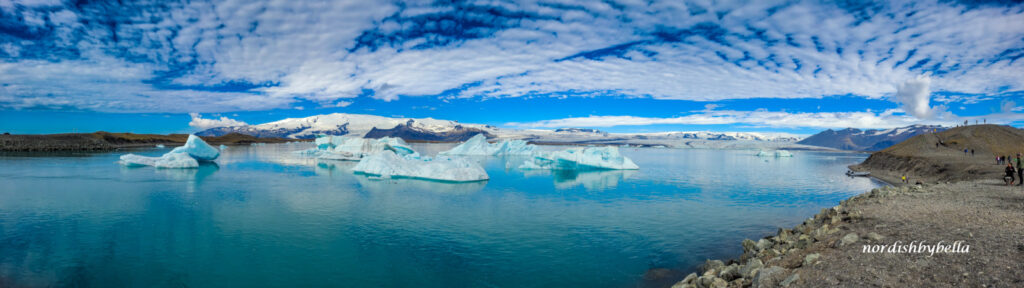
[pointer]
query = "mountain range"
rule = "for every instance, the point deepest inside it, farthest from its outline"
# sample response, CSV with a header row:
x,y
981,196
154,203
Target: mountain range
x,y
429,129
867,140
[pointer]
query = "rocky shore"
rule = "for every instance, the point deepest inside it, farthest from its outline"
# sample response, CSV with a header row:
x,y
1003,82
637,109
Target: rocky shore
x,y
961,208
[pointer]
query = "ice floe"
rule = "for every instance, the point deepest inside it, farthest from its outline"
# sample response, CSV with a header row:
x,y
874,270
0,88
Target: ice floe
x,y
580,159
388,164
478,145
169,160
355,148
783,153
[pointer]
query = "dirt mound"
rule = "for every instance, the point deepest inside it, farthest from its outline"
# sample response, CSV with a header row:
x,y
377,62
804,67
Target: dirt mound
x,y
940,156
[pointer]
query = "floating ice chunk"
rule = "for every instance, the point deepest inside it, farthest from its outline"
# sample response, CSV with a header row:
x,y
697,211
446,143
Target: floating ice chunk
x,y
478,145
222,147
355,148
198,149
388,164
169,160
160,146
762,153
783,153
580,159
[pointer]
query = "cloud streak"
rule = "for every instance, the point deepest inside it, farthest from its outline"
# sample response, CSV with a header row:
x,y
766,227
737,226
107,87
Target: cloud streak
x,y
201,123
234,55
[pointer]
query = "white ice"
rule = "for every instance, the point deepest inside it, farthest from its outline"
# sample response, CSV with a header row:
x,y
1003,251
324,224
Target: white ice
x,y
355,148
389,164
160,146
783,153
580,159
198,149
222,147
478,145
169,160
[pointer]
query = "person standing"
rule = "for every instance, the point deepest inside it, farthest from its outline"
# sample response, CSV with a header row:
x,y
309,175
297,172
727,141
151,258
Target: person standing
x,y
1020,171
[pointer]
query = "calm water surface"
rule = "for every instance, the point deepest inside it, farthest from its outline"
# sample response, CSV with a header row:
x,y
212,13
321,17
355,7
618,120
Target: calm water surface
x,y
264,217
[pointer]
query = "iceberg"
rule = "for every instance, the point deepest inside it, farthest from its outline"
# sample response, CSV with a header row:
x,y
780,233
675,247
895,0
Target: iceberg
x,y
169,160
160,146
589,158
783,153
387,164
355,148
198,149
478,145
222,147
762,153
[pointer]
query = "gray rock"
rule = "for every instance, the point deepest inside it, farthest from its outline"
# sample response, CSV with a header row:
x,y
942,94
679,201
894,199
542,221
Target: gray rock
x,y
849,239
749,269
730,272
789,280
705,281
810,259
690,278
713,265
875,237
769,277
763,244
719,283
749,245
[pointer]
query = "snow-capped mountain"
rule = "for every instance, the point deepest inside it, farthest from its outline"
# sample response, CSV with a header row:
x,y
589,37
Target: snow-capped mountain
x,y
429,129
867,140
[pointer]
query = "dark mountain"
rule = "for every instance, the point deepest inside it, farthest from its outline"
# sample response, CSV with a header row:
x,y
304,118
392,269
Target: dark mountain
x,y
867,140
409,132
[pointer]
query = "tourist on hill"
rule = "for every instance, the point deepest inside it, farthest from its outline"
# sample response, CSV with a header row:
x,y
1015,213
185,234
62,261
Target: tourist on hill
x,y
1020,171
1008,178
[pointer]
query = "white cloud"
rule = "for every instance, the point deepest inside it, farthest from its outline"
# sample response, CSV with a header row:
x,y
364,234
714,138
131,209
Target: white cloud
x,y
914,95
867,119
202,123
302,48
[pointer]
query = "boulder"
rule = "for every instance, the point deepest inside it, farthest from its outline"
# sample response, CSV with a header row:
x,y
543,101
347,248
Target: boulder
x,y
749,245
789,280
763,244
712,265
810,259
751,267
875,237
730,272
849,239
769,277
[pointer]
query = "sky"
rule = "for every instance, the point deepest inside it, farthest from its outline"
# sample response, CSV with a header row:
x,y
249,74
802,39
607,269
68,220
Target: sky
x,y
619,66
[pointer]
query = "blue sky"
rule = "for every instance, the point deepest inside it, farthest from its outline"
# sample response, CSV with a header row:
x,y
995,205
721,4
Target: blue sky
x,y
620,66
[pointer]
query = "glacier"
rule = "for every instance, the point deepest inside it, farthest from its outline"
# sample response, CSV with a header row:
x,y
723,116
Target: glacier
x,y
198,149
169,160
355,148
388,164
589,158
478,145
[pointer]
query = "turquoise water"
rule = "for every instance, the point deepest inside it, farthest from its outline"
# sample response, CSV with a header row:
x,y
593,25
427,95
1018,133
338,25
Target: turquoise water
x,y
263,217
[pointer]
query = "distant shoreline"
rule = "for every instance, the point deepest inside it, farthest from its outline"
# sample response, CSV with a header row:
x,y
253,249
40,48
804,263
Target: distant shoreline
x,y
106,141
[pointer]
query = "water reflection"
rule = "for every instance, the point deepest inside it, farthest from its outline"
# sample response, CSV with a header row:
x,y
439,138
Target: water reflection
x,y
590,180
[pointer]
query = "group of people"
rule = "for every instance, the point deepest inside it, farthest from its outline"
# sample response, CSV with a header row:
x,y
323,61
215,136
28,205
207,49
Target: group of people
x,y
1011,170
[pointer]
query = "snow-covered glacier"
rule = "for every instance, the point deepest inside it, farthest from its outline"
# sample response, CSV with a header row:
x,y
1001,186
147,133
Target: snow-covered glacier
x,y
389,164
187,156
478,145
198,149
355,148
607,157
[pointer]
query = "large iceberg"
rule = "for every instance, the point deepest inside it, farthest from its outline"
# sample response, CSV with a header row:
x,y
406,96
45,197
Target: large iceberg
x,y
198,149
355,148
595,158
187,156
478,145
389,164
169,160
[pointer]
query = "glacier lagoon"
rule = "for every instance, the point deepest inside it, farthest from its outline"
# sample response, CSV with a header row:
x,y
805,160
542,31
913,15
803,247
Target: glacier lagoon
x,y
263,216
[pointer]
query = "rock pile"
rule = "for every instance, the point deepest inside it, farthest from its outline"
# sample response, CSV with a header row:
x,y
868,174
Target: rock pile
x,y
774,261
